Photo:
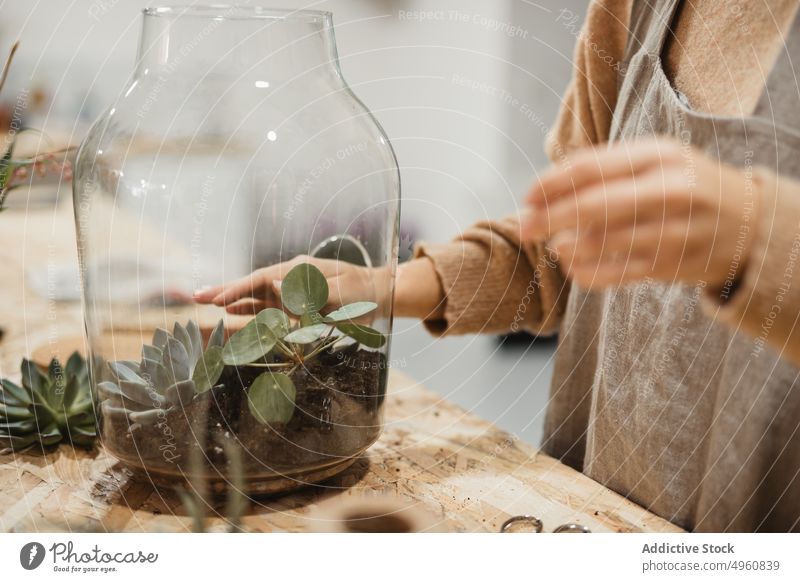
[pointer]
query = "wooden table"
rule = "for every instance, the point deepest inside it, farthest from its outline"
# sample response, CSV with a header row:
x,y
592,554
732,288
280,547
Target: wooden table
x,y
462,472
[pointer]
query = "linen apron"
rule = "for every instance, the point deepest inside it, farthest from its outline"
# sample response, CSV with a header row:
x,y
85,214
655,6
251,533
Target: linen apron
x,y
651,396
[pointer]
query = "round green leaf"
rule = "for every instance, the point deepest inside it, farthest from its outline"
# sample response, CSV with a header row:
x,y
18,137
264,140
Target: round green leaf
x,y
248,344
371,338
208,369
310,318
276,320
271,398
304,289
306,335
351,311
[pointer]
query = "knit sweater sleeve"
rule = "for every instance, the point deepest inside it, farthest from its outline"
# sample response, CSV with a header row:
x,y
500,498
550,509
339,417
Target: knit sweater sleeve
x,y
494,284
766,302
584,118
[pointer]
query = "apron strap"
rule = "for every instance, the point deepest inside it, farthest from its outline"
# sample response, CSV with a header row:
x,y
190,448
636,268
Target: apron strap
x,y
649,25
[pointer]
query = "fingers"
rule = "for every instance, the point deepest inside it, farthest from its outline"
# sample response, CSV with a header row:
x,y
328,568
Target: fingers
x,y
207,295
655,238
609,204
248,307
257,285
620,161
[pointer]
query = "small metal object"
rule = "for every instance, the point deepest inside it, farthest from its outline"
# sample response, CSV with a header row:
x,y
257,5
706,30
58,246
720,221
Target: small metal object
x,y
572,528
530,520
343,247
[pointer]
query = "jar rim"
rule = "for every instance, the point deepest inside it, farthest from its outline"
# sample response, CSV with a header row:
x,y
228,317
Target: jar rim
x,y
236,12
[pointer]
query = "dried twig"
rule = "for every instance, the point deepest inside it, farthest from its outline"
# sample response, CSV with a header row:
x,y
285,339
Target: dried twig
x,y
7,66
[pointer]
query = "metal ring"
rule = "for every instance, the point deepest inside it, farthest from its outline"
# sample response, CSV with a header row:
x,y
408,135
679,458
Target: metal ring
x,y
572,528
339,238
534,521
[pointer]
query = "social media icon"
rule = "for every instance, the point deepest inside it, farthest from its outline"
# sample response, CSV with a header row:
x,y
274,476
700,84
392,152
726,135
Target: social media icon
x,y
31,555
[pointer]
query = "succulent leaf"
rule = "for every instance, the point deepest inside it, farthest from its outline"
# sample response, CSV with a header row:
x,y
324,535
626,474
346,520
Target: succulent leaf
x,y
76,366
182,335
58,384
14,395
148,369
18,427
181,393
160,337
151,353
13,413
125,373
176,361
163,379
48,408
32,378
71,391
146,417
208,369
217,337
13,443
141,393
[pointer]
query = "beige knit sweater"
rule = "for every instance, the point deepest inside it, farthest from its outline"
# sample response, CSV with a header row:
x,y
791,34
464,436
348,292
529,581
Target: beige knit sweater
x,y
487,271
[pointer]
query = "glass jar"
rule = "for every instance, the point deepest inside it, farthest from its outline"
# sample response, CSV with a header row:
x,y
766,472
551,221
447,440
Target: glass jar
x,y
237,146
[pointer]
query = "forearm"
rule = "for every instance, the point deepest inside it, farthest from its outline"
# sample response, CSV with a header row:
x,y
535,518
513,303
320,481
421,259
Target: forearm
x,y
418,292
485,281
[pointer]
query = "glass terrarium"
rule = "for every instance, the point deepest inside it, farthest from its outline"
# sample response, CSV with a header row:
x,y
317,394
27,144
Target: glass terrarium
x,y
237,213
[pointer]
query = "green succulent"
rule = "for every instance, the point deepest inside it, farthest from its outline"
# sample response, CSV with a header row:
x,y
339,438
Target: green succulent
x,y
270,340
48,408
173,370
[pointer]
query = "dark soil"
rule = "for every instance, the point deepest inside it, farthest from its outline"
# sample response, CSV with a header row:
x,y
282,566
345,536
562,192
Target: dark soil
x,y
337,414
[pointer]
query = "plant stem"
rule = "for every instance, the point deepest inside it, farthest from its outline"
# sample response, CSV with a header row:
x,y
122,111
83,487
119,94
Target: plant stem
x,y
273,365
283,347
324,346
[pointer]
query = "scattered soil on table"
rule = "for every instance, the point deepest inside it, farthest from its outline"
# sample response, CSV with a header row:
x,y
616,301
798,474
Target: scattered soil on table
x,y
337,414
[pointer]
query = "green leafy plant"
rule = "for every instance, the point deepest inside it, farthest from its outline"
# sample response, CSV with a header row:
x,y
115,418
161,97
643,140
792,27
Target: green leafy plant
x,y
173,370
16,172
271,341
48,408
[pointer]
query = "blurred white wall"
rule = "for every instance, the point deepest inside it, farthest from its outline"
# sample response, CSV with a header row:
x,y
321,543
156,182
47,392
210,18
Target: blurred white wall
x,y
465,88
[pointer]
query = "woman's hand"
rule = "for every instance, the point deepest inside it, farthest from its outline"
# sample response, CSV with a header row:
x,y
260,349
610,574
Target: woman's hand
x,y
652,208
418,291
347,283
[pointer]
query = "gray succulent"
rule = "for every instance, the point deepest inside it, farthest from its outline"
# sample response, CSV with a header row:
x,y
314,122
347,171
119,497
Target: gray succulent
x,y
173,370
